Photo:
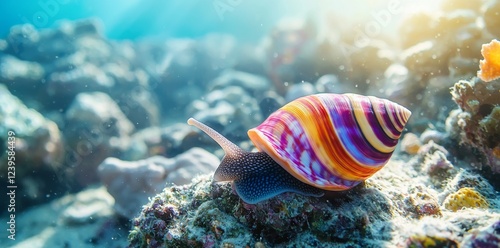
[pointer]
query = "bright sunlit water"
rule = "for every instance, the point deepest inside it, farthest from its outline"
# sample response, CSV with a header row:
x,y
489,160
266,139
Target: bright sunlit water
x,y
247,20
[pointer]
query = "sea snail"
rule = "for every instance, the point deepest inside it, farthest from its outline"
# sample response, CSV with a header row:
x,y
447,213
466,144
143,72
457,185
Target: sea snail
x,y
314,143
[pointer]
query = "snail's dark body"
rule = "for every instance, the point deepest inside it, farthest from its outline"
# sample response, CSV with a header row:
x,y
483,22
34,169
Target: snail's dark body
x,y
249,169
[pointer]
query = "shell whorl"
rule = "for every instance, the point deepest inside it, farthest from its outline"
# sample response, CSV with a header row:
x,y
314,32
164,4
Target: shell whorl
x,y
332,141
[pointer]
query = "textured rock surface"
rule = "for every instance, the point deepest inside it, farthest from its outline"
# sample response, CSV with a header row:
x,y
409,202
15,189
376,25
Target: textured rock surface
x,y
132,183
38,140
166,141
37,146
491,17
23,72
187,65
486,237
439,49
477,123
230,109
398,206
72,58
299,90
95,129
85,219
254,84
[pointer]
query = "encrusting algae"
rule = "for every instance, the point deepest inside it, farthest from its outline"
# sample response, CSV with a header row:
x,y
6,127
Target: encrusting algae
x,y
465,198
389,209
490,66
418,241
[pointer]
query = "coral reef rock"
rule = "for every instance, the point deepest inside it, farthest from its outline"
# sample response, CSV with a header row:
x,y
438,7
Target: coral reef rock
x,y
167,141
487,237
299,90
95,129
440,48
146,178
187,65
231,108
72,58
491,20
392,208
254,84
477,123
22,72
38,140
410,143
85,219
37,147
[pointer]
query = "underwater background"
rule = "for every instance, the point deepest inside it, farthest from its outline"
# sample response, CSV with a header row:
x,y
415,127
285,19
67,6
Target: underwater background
x,y
95,97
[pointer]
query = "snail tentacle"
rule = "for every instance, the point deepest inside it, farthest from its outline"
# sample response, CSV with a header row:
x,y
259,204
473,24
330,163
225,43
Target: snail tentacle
x,y
229,147
226,170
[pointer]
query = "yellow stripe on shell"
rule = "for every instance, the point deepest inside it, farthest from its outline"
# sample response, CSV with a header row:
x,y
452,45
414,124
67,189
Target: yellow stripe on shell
x,y
300,112
341,162
405,113
399,113
394,122
378,113
365,126
262,143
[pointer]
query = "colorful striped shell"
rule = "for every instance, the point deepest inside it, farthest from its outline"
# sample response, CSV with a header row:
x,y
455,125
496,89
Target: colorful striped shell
x,y
332,141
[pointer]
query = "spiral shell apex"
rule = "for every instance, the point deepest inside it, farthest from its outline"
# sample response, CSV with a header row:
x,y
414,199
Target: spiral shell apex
x,y
332,141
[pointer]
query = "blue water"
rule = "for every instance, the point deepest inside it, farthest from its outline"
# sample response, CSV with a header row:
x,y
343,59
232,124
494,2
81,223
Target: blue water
x,y
132,19
172,18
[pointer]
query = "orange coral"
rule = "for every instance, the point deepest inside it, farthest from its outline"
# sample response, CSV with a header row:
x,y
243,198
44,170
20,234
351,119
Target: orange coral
x,y
490,66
